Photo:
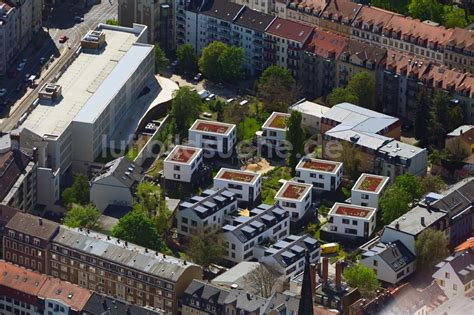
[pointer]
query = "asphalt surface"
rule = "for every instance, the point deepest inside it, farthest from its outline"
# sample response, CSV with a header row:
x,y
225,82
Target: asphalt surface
x,y
60,22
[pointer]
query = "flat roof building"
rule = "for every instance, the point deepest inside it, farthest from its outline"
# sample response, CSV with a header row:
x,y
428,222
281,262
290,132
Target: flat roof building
x,y
322,174
296,198
348,221
246,185
368,189
216,138
182,164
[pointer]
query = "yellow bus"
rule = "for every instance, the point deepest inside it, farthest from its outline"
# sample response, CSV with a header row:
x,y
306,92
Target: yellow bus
x,y
329,248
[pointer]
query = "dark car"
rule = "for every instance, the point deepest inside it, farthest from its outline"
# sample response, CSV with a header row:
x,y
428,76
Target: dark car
x,y
42,60
19,87
198,77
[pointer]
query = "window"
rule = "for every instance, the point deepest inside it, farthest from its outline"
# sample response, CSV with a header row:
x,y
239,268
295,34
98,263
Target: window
x,y
375,263
446,275
365,196
354,222
184,220
177,168
176,176
345,221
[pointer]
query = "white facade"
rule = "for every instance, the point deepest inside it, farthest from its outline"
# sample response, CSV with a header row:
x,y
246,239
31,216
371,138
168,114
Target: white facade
x,y
322,174
295,198
205,213
287,256
214,137
274,131
351,221
266,6
182,163
243,233
246,185
368,189
456,282
311,114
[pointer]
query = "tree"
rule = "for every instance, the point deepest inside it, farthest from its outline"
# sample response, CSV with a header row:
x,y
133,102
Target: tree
x,y
112,22
350,159
456,117
277,89
430,247
82,216
151,201
410,184
185,109
394,203
362,85
422,117
161,61
363,278
205,249
78,193
262,280
399,6
426,10
431,183
187,59
209,62
295,136
341,95
231,61
136,227
454,16
439,118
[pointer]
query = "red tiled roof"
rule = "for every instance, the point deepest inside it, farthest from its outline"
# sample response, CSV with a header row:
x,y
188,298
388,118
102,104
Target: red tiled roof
x,y
70,294
343,10
374,16
326,44
238,176
364,51
310,6
469,243
462,39
290,30
400,62
21,279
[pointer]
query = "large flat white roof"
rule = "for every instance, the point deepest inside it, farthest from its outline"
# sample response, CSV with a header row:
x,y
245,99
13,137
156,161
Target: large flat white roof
x,y
79,82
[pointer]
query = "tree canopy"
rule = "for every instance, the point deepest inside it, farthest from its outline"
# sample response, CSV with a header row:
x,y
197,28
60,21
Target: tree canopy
x,y
363,278
277,89
78,193
351,160
205,249
341,95
161,61
151,201
112,22
422,117
432,183
220,62
431,247
295,136
410,184
426,10
82,216
185,109
361,90
187,59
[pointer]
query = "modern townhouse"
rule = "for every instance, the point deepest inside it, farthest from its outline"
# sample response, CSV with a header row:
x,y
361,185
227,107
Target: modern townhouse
x,y
117,268
296,198
205,213
8,36
284,41
311,115
18,178
454,274
183,165
115,184
248,33
318,73
352,222
27,239
273,138
287,256
217,139
262,224
392,262
324,175
368,189
246,185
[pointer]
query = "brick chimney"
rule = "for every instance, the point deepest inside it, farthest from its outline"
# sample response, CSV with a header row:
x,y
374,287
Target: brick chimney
x,y
312,269
338,273
325,269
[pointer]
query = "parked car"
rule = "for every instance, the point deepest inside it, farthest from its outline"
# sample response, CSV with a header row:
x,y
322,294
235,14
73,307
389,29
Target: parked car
x,y
244,102
329,248
210,97
21,66
25,60
174,63
78,19
42,60
3,92
230,100
204,94
51,58
198,77
63,38
27,77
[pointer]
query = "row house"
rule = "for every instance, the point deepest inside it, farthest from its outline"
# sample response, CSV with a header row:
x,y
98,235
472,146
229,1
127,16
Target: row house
x,y
323,175
217,139
306,12
264,6
205,212
454,274
246,185
287,256
296,198
284,41
258,226
318,72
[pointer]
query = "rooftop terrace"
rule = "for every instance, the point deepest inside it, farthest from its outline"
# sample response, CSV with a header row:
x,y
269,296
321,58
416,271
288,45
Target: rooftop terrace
x,y
183,154
291,190
352,210
371,183
319,165
277,121
236,175
212,127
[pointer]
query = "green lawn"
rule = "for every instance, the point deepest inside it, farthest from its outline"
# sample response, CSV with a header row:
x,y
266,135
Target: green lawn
x,y
270,184
247,128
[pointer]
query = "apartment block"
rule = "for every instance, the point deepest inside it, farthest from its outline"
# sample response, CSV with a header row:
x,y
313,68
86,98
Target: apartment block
x,y
324,175
205,213
246,185
287,256
254,227
296,198
368,189
217,139
351,221
8,34
182,164
273,136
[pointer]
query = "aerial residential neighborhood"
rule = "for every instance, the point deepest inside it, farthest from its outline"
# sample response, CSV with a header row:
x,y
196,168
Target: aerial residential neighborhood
x,y
236,157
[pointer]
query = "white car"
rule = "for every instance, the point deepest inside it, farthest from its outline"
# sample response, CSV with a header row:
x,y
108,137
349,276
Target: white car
x,y
21,66
230,100
3,92
204,94
244,102
210,97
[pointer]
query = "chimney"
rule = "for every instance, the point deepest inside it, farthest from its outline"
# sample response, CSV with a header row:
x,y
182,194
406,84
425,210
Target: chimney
x,y
338,274
35,154
40,221
325,269
397,225
15,140
422,221
312,269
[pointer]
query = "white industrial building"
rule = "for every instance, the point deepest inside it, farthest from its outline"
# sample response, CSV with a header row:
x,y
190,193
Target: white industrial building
x,y
311,115
368,189
217,139
246,185
274,132
205,213
295,198
322,174
259,225
351,221
182,164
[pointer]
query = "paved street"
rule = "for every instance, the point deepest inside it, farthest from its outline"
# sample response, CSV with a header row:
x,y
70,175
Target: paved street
x,y
60,22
